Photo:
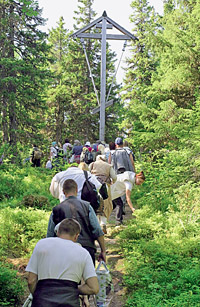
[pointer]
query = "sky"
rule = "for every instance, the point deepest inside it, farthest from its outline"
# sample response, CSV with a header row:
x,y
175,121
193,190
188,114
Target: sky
x,y
117,10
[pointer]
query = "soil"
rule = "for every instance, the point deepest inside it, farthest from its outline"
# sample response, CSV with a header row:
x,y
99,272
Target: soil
x,y
115,260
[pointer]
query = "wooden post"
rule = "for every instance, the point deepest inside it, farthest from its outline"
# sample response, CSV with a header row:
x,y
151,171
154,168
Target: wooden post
x,y
103,82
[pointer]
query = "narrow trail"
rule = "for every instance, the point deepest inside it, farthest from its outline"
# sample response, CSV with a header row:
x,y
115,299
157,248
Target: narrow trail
x,y
115,260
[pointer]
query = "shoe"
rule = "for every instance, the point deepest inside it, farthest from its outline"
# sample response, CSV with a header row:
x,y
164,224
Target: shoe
x,y
104,229
118,223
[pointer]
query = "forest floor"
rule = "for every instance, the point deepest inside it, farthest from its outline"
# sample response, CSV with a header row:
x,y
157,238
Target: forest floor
x,y
114,261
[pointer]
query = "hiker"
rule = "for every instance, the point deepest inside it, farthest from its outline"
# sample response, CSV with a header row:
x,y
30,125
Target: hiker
x,y
101,151
76,151
127,148
124,185
86,156
110,150
57,266
106,175
36,156
72,207
67,148
75,173
56,154
120,159
121,162
88,145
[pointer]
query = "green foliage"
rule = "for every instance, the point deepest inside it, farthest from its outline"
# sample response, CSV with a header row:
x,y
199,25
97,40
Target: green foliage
x,y
17,182
12,287
21,229
162,259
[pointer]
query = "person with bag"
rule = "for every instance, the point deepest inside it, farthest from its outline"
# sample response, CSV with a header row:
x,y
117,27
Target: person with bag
x,y
75,173
57,266
36,156
106,175
121,161
76,152
86,156
72,207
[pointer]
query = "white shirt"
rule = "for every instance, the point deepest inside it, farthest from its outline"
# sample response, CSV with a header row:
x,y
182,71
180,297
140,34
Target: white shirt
x,y
54,152
56,258
124,182
56,187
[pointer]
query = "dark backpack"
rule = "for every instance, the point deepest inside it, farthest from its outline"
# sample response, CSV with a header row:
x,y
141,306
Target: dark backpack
x,y
89,193
88,157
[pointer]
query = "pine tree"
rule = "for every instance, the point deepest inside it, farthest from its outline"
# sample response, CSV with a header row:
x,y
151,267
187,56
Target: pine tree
x,y
141,66
59,92
23,74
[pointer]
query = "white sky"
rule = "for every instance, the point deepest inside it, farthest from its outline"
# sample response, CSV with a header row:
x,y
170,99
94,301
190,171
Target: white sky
x,y
118,10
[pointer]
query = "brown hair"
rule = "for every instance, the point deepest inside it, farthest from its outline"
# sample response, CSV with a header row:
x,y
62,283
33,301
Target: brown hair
x,y
141,175
112,145
69,186
69,226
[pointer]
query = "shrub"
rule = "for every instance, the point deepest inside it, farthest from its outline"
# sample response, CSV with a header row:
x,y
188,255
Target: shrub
x,y
12,286
20,229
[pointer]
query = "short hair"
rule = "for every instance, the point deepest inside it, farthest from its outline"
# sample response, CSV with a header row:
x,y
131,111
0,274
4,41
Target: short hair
x,y
69,226
141,175
112,145
69,186
66,140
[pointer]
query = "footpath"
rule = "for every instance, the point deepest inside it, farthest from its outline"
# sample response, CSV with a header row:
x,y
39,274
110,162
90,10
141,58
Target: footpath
x,y
115,260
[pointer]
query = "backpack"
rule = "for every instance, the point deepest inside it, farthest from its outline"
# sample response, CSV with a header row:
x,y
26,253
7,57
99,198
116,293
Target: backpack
x,y
89,193
37,154
88,157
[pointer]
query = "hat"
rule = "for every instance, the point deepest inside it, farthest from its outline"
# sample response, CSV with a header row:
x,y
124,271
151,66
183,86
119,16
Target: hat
x,y
53,143
118,141
87,143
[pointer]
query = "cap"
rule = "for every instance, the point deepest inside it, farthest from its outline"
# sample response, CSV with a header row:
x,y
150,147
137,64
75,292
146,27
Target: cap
x,y
54,143
118,141
88,143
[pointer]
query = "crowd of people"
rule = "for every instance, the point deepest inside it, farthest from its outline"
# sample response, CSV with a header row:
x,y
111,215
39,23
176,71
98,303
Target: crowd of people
x,y
60,270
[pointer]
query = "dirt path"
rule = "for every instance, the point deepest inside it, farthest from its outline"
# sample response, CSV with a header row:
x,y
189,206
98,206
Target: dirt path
x,y
115,260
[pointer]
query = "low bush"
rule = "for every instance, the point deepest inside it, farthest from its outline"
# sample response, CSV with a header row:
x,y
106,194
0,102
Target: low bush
x,y
12,286
162,259
21,229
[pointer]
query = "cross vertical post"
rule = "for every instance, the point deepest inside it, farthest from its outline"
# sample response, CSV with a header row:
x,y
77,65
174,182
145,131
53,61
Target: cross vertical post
x,y
103,82
103,22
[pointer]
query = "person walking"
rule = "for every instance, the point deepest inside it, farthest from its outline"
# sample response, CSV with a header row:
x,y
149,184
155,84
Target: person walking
x,y
36,156
105,173
75,173
57,266
121,162
76,151
72,207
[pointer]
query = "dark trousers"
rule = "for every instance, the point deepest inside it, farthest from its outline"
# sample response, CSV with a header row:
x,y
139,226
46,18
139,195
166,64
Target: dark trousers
x,y
118,204
36,163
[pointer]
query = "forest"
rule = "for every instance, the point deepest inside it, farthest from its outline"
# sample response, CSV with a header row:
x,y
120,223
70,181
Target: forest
x,y
46,95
